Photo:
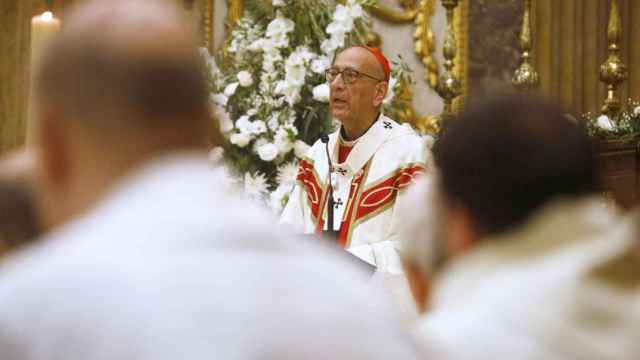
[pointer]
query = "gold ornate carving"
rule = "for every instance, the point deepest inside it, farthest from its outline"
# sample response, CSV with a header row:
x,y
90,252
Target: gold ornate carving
x,y
425,41
424,46
421,14
448,85
460,69
407,113
235,9
526,76
455,79
613,72
395,16
208,16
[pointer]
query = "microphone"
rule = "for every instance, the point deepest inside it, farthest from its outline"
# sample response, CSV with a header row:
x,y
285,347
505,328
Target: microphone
x,y
330,204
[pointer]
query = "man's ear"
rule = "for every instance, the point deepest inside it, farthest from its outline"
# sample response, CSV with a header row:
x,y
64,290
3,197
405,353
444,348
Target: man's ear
x,y
53,148
380,93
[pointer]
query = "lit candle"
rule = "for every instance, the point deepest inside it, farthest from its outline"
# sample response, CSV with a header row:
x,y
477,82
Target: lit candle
x,y
43,28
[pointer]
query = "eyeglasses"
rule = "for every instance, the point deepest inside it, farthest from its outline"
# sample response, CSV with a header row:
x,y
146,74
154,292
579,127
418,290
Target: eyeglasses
x,y
349,76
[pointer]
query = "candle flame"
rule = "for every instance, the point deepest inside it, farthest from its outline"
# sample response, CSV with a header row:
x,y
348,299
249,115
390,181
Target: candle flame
x,y
47,16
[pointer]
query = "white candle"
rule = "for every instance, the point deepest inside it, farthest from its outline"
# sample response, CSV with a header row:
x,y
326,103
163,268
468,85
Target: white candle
x,y
43,29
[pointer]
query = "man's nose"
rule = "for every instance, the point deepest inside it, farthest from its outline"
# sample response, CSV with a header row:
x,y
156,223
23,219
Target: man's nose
x,y
337,82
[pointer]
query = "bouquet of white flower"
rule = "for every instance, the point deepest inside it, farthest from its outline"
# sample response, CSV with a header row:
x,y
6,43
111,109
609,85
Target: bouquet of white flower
x,y
624,127
269,92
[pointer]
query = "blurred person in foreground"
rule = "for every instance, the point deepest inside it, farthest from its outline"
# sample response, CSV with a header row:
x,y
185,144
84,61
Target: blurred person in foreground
x,y
19,222
149,257
520,231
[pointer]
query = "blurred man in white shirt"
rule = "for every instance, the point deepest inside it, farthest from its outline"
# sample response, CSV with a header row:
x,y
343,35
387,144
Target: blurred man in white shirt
x,y
148,256
514,241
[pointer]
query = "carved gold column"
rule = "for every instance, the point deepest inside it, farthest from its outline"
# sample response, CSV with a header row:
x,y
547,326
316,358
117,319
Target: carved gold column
x,y
613,72
208,16
235,10
448,85
526,76
424,41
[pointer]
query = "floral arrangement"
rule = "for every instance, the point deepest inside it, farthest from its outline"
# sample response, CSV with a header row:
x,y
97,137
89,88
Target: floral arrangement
x,y
625,126
268,88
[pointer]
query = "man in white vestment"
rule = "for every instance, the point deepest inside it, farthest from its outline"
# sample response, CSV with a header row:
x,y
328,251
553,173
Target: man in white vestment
x,y
373,161
148,256
532,257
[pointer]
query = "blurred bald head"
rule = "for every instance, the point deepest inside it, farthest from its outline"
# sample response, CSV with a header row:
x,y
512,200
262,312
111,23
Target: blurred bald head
x,y
120,65
120,85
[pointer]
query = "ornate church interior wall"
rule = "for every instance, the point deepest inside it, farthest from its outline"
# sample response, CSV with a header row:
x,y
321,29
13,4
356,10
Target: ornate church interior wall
x,y
397,39
15,47
395,26
569,45
494,49
14,54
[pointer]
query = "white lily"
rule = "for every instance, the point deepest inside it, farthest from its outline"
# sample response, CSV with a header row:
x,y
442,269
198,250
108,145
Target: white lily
x,y
268,152
245,78
240,139
230,89
605,123
321,93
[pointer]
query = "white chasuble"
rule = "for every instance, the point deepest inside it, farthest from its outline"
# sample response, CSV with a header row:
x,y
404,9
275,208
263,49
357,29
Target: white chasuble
x,y
366,189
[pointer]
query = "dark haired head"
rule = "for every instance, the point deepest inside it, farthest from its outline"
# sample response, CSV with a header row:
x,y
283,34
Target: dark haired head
x,y
503,159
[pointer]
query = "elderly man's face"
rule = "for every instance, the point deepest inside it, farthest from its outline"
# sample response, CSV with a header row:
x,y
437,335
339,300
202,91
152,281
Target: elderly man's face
x,y
353,94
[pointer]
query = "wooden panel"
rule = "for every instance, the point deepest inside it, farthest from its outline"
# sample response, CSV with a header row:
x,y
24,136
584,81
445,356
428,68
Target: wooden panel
x,y
617,163
556,49
570,42
601,35
625,44
591,60
618,168
634,51
567,52
578,59
15,18
542,40
623,188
